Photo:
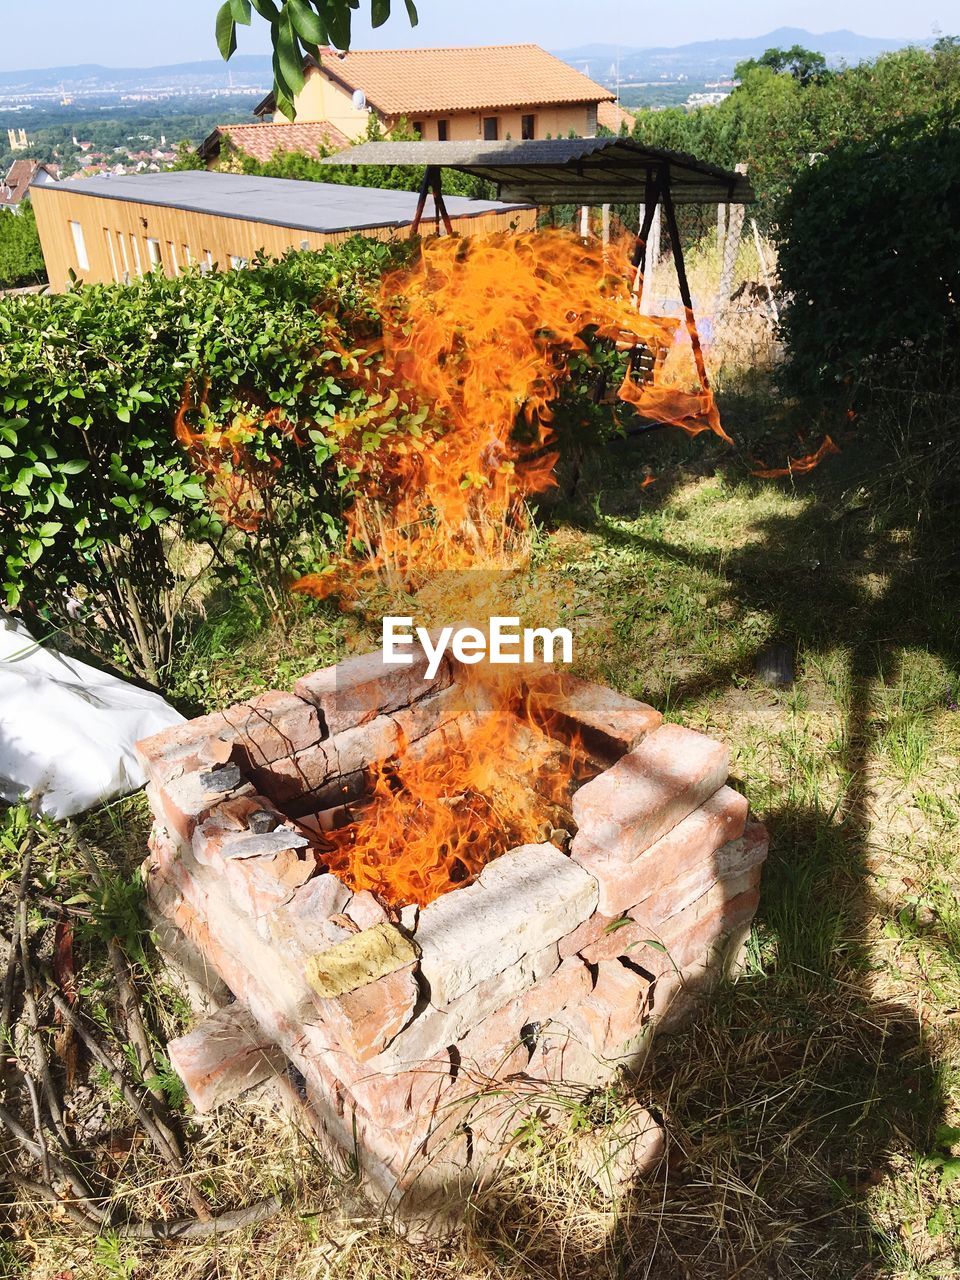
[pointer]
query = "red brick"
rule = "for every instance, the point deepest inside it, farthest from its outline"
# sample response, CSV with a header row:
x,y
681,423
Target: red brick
x,y
365,911
183,801
746,853
492,1038
616,1008
605,720
687,936
359,689
680,862
175,750
613,1158
266,727
224,1055
224,834
644,795
366,1019
272,725
564,1054
260,885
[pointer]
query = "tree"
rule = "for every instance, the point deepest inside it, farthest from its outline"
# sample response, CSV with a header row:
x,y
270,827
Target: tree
x,y
21,261
869,256
803,64
297,27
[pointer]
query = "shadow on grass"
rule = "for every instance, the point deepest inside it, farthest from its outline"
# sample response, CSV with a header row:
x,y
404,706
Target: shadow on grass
x,y
797,1090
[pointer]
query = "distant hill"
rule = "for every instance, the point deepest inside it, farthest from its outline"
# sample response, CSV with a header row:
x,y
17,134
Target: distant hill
x,y
715,59
243,71
700,60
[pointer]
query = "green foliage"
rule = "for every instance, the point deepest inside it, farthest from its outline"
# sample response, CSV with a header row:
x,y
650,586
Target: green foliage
x,y
21,260
869,251
803,64
188,157
297,28
774,122
102,513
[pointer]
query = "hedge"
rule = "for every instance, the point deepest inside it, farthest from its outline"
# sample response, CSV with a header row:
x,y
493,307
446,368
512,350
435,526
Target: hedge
x,y
106,520
869,254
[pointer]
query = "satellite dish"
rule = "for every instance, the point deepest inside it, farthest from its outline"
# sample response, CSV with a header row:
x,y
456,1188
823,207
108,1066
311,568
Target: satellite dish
x,y
359,99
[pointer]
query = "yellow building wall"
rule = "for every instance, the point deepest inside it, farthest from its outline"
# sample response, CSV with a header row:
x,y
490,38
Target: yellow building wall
x,y
467,126
116,236
321,99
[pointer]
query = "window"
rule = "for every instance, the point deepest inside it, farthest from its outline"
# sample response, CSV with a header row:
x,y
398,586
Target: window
x,y
79,246
113,257
418,128
187,255
136,254
491,128
443,130
173,258
123,254
528,127
153,253
208,259
236,262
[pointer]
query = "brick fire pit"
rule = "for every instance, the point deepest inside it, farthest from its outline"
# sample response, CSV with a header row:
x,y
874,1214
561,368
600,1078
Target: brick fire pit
x,y
419,1033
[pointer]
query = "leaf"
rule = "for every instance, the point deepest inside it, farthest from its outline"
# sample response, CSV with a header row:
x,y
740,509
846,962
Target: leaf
x,y
289,56
226,31
412,12
307,22
73,466
241,11
337,18
379,12
34,550
267,9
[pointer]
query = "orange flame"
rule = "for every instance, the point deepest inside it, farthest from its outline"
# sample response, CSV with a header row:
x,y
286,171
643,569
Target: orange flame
x,y
482,330
433,819
453,434
797,466
238,484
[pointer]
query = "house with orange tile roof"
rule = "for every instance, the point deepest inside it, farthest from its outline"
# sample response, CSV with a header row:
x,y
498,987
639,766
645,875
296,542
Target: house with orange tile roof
x,y
487,91
15,187
224,148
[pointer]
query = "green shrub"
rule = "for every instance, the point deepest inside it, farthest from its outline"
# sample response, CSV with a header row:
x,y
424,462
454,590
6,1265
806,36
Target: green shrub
x,y
869,253
21,260
102,512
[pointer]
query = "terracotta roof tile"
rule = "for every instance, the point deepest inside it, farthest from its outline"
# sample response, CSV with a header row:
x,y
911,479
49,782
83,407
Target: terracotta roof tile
x,y
263,141
414,81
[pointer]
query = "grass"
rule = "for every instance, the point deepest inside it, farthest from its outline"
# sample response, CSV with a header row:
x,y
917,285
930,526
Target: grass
x,y
812,1109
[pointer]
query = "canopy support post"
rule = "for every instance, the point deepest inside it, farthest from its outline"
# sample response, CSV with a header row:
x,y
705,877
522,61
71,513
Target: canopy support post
x,y
691,320
651,197
432,182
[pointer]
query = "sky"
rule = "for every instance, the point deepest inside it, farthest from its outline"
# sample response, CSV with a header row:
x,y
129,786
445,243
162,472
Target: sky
x,y
136,33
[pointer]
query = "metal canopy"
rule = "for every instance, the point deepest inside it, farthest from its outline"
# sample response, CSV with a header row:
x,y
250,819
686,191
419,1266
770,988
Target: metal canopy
x,y
585,171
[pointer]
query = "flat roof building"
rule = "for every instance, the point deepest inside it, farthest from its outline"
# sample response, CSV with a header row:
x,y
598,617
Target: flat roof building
x,y
115,229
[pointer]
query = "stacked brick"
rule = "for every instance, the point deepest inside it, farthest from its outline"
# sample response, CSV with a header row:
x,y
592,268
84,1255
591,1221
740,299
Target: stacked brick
x,y
421,1035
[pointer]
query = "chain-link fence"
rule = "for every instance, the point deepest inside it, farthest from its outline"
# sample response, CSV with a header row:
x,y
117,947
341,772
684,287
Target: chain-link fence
x,y
731,269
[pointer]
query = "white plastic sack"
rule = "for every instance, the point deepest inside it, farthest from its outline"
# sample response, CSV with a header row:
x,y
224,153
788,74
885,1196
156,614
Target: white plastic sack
x,y
67,730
